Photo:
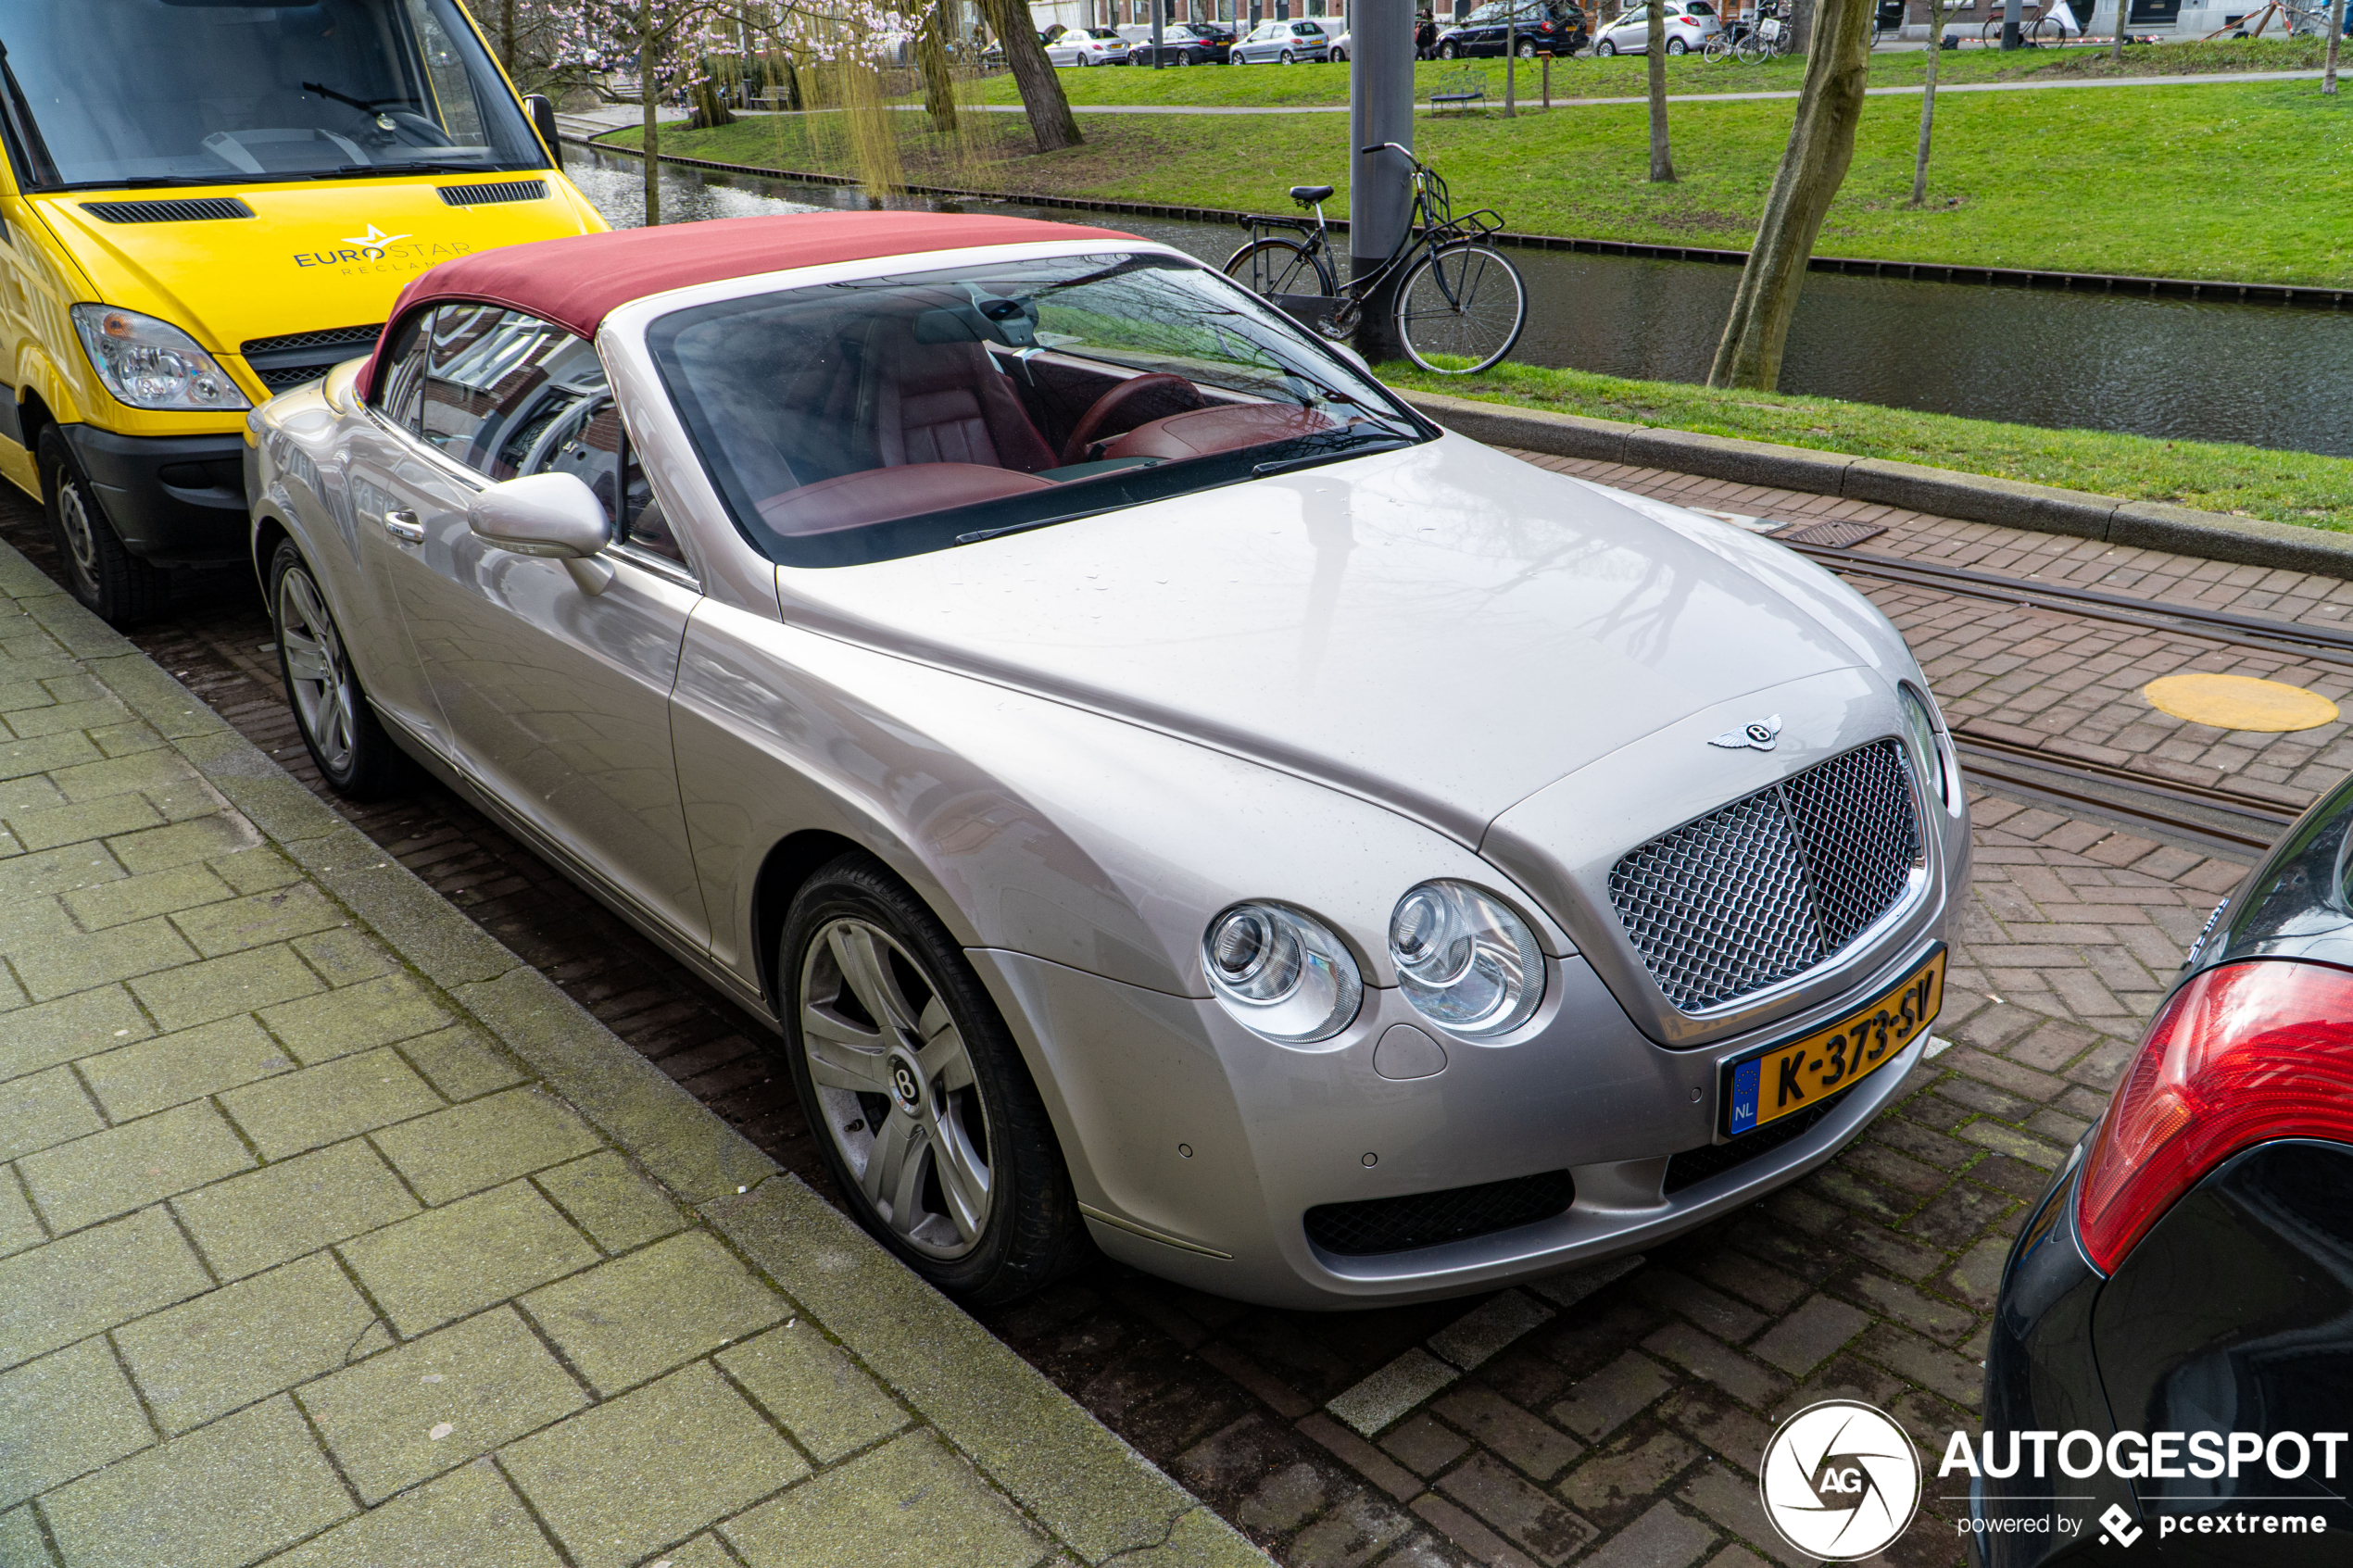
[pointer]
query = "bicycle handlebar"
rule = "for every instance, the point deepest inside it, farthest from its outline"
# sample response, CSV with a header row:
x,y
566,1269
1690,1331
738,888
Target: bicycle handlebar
x,y
1392,145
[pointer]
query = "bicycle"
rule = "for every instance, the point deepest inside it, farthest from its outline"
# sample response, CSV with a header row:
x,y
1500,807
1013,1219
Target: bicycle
x,y
2034,30
1768,40
1725,45
1459,299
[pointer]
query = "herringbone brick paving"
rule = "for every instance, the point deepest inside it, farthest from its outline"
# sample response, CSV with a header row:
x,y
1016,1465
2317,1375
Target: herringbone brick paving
x,y
1623,1427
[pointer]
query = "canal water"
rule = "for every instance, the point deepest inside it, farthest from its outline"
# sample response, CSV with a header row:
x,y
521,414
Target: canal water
x,y
2266,375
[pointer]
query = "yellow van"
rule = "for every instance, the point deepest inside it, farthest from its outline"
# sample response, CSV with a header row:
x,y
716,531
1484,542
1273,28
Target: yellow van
x,y
206,203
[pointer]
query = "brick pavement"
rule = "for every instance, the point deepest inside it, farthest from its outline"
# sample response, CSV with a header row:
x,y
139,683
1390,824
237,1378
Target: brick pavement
x,y
332,1235
1619,1427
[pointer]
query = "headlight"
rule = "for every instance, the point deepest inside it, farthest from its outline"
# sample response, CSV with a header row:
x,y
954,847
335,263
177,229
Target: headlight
x,y
151,364
1466,962
1281,972
1921,738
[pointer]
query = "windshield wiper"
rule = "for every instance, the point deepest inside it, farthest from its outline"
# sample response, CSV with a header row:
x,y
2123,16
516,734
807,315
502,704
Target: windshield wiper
x,y
408,166
1332,455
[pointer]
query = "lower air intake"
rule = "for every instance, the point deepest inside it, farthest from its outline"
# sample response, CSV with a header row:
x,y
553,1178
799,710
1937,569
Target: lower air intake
x,y
1429,1219
1696,1165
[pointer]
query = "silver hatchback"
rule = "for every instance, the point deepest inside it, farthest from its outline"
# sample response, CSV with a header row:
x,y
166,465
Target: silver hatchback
x,y
1282,43
1161,790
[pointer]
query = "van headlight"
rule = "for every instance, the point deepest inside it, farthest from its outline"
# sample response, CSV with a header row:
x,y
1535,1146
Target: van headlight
x,y
1281,972
1464,961
151,364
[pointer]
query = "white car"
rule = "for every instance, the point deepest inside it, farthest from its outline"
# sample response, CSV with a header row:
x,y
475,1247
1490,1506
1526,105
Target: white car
x,y
1087,46
1690,24
1341,44
1283,43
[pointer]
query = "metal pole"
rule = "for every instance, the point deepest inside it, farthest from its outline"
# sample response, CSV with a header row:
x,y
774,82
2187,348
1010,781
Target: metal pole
x,y
2010,39
1381,108
1158,8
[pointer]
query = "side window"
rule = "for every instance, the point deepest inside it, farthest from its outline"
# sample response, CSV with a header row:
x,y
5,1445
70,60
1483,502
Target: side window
x,y
497,385
404,367
590,443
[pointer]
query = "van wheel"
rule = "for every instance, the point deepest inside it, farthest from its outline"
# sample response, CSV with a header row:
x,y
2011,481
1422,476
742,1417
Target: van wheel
x,y
106,578
918,1096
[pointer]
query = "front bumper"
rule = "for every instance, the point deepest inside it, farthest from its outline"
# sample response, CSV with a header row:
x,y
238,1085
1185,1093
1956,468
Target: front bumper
x,y
1197,1149
176,500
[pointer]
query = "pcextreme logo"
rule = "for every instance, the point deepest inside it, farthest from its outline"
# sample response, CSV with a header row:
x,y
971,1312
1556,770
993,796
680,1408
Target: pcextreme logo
x,y
1840,1480
376,251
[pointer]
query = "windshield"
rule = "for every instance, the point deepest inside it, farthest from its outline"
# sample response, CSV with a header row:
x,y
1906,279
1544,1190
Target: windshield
x,y
885,417
115,93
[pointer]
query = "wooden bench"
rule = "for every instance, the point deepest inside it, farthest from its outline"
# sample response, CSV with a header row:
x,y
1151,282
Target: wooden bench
x,y
1459,89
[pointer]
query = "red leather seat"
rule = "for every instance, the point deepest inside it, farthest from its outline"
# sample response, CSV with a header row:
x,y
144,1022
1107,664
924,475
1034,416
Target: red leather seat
x,y
949,403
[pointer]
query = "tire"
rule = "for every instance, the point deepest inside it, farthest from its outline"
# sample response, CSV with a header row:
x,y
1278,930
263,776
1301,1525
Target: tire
x,y
1340,57
1448,52
1717,50
2045,33
1677,46
1990,35
339,729
1748,51
1477,326
1605,49
1269,267
1527,51
924,1112
1290,58
101,573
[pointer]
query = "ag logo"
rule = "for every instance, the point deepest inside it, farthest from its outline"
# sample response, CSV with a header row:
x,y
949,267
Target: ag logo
x,y
1840,1480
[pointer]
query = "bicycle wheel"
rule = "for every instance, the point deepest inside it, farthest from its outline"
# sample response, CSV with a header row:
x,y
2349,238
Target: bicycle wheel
x,y
2046,32
1269,267
1717,51
1461,310
1990,35
1749,50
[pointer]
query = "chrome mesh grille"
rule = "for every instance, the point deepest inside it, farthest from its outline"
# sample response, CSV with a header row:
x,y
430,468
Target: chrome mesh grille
x,y
1773,883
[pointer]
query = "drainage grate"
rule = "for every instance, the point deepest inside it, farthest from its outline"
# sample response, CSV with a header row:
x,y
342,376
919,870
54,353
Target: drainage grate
x,y
1696,1165
192,209
502,191
1427,1219
1831,535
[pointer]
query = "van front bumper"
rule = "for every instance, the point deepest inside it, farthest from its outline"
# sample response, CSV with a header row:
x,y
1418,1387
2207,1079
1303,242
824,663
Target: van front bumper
x,y
177,500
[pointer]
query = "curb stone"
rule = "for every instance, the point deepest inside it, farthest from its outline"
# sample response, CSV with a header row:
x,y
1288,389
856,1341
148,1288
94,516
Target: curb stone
x,y
2043,508
1093,1492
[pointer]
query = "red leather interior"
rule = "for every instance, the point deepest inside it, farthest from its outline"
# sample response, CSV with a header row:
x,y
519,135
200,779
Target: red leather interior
x,y
1223,427
880,494
1123,403
949,403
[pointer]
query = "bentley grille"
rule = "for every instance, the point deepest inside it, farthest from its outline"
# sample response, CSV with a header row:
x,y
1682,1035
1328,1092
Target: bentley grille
x,y
1773,883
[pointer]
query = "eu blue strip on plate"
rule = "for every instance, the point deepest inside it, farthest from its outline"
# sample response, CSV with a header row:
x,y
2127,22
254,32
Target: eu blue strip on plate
x,y
1741,1115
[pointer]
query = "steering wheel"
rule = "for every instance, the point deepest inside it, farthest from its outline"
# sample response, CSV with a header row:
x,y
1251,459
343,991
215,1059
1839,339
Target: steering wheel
x,y
1111,404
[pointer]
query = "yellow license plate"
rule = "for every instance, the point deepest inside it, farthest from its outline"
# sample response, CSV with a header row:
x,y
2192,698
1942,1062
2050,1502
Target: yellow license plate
x,y
1793,1078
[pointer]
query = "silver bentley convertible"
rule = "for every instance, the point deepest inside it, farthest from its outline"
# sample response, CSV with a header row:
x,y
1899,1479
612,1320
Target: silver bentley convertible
x,y
1163,791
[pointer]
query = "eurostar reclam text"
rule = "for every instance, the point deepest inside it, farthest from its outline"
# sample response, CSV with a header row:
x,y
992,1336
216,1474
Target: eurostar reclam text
x,y
2158,1456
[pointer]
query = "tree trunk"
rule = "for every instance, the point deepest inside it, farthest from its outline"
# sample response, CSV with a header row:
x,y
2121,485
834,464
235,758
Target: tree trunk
x,y
931,54
2123,31
649,95
1655,62
2336,31
1928,98
1041,91
1820,146
710,107
1511,61
507,38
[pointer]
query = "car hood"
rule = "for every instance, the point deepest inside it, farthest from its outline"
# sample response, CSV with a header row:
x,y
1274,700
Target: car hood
x,y
311,256
1444,628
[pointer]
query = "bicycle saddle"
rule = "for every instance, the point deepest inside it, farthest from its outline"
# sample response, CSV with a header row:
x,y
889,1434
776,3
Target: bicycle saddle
x,y
1308,195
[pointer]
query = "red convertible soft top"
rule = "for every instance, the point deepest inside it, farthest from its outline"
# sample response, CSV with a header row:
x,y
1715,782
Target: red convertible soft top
x,y
577,281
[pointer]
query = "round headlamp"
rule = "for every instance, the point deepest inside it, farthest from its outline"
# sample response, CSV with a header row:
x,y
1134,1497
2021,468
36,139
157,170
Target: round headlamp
x,y
1464,961
1281,972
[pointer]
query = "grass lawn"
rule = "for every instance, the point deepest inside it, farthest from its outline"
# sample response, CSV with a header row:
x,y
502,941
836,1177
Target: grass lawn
x,y
2247,181
2246,481
1587,77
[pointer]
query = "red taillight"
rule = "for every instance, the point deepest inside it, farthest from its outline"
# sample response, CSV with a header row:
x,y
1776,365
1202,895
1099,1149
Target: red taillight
x,y
2242,1054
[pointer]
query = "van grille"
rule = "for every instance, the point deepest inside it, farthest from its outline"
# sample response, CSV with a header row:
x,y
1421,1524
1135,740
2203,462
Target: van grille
x,y
296,357
193,209
1774,883
503,191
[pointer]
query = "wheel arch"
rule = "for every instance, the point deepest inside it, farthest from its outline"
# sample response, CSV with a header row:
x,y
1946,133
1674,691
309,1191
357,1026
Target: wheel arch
x,y
790,863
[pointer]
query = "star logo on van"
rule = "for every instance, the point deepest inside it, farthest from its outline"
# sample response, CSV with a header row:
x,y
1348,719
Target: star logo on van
x,y
374,239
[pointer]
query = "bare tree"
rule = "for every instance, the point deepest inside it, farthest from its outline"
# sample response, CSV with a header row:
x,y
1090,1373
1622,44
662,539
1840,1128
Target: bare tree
x,y
1813,166
931,55
1928,99
2124,30
1041,91
2336,31
1654,66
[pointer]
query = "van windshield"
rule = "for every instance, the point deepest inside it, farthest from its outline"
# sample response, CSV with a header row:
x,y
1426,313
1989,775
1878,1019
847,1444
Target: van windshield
x,y
125,93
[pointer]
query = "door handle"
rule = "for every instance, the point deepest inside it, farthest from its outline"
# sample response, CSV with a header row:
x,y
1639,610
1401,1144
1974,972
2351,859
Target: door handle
x,y
404,527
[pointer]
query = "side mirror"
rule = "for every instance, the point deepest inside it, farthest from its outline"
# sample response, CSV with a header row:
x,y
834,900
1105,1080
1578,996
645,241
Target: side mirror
x,y
543,120
551,515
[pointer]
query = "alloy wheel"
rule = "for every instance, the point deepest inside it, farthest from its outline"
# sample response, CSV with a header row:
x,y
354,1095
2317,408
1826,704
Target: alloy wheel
x,y
895,1084
318,674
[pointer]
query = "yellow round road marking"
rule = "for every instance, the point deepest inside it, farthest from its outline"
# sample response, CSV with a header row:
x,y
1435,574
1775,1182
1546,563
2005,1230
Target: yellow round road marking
x,y
2239,702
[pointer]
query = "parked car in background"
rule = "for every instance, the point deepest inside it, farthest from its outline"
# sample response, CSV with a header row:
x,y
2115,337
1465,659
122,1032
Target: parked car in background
x,y
1282,43
1222,32
898,616
1089,47
2190,1269
1340,45
1533,27
994,56
1690,24
1179,46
